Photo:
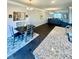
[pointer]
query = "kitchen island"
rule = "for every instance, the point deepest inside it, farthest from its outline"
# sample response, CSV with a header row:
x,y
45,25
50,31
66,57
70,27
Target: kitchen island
x,y
54,46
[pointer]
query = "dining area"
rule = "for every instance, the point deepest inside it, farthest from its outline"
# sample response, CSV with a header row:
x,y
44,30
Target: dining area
x,y
19,34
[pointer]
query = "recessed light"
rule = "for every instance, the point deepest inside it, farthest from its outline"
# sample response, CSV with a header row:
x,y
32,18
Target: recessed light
x,y
53,2
27,8
30,8
52,49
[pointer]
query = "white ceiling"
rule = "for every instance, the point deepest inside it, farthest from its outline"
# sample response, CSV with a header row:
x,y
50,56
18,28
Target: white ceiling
x,y
46,3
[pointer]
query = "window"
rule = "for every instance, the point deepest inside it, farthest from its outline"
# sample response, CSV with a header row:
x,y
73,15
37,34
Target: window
x,y
57,15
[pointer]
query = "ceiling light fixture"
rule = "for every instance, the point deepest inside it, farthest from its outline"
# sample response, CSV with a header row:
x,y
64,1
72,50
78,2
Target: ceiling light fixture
x,y
53,2
30,1
30,8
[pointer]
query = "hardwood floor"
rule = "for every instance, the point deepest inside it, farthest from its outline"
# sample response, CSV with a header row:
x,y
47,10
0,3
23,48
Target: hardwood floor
x,y
26,51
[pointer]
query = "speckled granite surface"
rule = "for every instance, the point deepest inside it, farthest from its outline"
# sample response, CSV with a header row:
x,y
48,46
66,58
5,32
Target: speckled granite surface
x,y
55,46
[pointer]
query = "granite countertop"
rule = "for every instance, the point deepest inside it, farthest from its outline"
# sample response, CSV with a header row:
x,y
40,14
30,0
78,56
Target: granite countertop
x,y
55,46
